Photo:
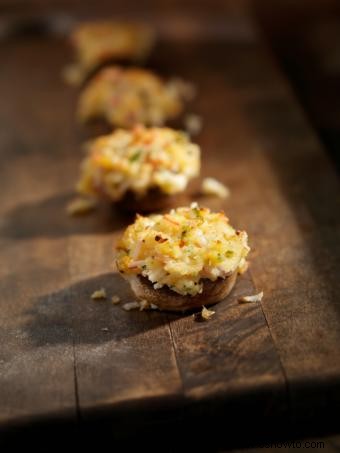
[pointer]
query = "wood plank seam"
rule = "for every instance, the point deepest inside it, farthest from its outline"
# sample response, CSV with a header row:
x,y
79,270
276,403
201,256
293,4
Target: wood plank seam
x,y
76,390
174,347
284,374
75,374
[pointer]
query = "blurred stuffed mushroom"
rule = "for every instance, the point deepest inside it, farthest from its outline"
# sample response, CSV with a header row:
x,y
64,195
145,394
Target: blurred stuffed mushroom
x,y
143,169
98,43
125,97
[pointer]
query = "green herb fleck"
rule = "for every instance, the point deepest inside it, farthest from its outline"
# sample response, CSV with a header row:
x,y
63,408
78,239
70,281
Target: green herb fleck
x,y
229,253
198,212
135,156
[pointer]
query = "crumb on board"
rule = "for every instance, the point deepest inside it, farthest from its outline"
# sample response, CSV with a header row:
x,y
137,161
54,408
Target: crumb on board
x,y
72,74
193,123
99,294
131,306
253,298
143,305
210,186
186,89
115,299
204,315
80,206
105,329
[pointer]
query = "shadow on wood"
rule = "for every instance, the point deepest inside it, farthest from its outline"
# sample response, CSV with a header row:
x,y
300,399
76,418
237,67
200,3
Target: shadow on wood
x,y
302,174
71,315
48,218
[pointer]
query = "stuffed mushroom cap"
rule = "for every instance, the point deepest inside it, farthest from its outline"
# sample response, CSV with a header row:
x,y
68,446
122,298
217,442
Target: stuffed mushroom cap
x,y
143,162
186,258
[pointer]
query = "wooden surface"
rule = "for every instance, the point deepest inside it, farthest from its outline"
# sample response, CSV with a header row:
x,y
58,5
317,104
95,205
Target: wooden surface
x,y
66,357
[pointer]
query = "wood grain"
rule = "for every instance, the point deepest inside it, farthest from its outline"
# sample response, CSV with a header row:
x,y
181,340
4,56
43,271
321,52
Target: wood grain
x,y
65,354
36,363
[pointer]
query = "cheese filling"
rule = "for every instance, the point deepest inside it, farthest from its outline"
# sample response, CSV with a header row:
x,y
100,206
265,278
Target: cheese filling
x,y
181,248
139,160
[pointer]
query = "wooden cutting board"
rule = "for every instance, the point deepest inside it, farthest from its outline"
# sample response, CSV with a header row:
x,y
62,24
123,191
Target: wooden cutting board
x,y
66,357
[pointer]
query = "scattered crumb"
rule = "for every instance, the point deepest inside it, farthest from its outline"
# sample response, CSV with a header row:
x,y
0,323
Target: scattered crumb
x,y
80,206
254,298
210,186
185,89
115,300
207,314
99,294
204,315
193,123
143,305
131,306
153,307
105,329
72,75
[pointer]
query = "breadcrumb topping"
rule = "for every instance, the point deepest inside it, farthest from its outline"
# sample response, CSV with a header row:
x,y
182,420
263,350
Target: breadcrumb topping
x,y
181,248
139,160
243,266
